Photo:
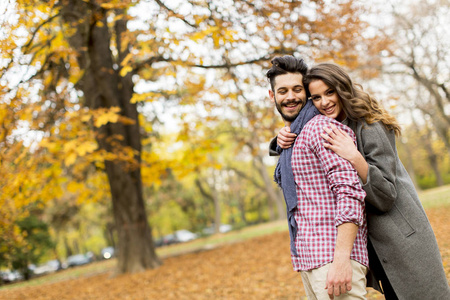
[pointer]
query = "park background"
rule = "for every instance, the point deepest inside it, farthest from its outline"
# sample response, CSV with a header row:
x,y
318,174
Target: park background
x,y
123,122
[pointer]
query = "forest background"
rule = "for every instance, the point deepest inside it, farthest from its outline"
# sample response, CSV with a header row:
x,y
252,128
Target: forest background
x,y
124,121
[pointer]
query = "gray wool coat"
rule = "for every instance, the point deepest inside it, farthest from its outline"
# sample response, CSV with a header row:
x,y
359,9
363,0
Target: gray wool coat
x,y
398,227
397,224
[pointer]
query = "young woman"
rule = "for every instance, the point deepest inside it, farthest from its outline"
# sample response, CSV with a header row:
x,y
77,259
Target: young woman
x,y
403,251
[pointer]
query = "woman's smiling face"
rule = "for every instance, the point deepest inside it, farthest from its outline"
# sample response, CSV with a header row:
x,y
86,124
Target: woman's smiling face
x,y
326,100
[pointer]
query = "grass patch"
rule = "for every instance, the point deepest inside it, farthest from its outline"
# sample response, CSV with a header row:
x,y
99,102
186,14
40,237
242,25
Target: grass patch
x,y
435,197
71,273
221,239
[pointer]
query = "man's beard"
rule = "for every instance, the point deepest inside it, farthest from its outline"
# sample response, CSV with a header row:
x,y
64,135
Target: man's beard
x,y
287,117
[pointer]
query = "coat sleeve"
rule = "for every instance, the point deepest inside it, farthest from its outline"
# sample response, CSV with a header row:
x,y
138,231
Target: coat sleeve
x,y
378,147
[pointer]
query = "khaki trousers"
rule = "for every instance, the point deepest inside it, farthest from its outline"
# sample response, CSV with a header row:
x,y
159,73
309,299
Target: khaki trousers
x,y
314,283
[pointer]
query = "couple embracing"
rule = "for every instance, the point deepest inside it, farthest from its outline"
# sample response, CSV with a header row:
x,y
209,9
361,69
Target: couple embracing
x,y
354,217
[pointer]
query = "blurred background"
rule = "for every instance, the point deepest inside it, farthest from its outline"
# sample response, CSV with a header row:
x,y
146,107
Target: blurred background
x,y
130,125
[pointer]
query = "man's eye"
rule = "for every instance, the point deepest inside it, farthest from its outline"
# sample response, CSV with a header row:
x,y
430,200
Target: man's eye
x,y
298,90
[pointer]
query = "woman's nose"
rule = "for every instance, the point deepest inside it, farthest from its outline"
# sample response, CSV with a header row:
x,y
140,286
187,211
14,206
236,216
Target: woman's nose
x,y
324,101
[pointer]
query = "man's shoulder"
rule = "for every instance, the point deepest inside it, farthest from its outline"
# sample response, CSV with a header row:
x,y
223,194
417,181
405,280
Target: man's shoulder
x,y
316,125
321,120
311,131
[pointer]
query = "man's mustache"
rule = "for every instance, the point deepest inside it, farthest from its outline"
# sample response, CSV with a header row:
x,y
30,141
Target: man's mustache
x,y
290,102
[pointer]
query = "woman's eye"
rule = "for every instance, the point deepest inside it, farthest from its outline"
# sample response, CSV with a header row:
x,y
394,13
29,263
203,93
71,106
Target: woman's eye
x,y
330,92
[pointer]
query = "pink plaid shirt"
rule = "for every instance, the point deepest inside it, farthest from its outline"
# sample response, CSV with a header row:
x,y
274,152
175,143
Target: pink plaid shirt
x,y
329,193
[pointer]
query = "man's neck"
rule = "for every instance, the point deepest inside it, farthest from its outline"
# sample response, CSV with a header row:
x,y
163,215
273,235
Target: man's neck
x,y
287,123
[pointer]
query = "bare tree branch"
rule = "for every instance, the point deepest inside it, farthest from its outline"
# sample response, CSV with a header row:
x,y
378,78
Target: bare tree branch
x,y
247,177
175,14
228,65
37,30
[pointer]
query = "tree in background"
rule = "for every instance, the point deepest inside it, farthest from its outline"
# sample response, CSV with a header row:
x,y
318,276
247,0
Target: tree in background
x,y
35,244
416,65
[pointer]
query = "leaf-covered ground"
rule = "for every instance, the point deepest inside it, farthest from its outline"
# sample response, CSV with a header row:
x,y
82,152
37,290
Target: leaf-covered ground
x,y
259,268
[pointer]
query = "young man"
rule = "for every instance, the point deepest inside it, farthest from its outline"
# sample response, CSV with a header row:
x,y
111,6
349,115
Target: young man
x,y
324,199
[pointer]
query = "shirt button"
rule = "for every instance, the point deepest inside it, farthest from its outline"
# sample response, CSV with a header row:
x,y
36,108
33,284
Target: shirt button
x,y
385,260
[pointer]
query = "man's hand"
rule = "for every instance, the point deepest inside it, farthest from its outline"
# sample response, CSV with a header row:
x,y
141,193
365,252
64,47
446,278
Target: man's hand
x,y
285,138
339,278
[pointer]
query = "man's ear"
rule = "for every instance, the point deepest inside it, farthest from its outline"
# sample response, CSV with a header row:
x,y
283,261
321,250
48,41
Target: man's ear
x,y
271,95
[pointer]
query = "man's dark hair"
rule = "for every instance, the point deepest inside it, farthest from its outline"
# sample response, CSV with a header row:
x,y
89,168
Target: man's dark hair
x,y
285,64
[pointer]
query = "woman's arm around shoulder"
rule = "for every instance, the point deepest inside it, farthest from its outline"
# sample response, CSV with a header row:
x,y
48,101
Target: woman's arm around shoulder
x,y
375,159
343,145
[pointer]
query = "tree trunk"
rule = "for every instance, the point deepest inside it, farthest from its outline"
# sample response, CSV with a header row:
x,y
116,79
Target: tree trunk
x,y
135,249
213,197
427,141
432,157
103,87
109,234
409,163
241,207
443,132
275,197
217,213
67,247
216,200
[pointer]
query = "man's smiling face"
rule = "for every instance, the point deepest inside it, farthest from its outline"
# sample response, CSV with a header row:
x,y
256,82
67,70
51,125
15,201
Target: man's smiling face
x,y
289,95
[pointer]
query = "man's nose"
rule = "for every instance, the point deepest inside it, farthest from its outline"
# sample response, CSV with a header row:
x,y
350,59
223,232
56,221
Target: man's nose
x,y
290,94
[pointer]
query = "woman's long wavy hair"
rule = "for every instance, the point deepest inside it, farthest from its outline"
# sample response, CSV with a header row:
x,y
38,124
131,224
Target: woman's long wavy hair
x,y
356,103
